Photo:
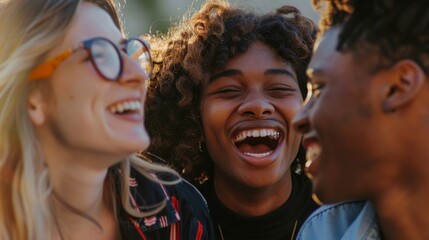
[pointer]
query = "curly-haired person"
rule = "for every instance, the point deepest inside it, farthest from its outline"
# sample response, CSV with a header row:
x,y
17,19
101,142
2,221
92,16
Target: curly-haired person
x,y
367,123
219,110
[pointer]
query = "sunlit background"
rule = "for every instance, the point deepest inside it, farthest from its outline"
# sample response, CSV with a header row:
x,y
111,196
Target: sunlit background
x,y
144,16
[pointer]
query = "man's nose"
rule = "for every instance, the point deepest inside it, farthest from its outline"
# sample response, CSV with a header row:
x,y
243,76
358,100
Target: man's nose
x,y
301,119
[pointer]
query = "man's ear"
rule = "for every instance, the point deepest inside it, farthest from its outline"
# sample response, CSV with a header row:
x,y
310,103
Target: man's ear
x,y
36,107
404,84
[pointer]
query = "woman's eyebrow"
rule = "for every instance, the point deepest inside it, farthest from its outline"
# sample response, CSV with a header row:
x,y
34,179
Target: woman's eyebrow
x,y
226,73
280,71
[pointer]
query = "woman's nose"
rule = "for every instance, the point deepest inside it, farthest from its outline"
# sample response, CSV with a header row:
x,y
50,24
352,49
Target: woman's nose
x,y
256,105
133,72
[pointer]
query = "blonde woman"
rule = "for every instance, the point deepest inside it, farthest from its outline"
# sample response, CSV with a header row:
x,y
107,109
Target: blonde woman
x,y
72,91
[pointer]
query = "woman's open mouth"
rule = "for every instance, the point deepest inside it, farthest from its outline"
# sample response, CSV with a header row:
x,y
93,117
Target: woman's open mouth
x,y
257,143
128,107
130,110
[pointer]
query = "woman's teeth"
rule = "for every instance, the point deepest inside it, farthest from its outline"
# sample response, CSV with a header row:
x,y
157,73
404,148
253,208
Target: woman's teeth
x,y
129,106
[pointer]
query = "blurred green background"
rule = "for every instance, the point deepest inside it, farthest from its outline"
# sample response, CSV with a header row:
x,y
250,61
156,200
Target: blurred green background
x,y
144,16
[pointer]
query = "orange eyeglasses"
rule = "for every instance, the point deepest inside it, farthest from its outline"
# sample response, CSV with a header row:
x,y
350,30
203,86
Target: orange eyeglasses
x,y
104,55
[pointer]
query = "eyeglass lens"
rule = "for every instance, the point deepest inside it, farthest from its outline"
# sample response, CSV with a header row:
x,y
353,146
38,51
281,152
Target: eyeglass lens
x,y
107,58
139,52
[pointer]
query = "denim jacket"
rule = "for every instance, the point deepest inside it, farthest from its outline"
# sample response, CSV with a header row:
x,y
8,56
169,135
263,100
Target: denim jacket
x,y
353,220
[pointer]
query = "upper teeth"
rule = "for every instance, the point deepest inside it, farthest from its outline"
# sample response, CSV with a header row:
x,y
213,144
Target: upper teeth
x,y
126,106
257,133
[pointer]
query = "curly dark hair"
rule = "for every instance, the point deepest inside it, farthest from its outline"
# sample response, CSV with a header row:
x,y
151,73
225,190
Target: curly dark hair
x,y
188,57
385,31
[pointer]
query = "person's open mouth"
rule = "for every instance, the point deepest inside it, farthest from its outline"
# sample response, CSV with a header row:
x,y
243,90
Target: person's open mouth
x,y
257,144
129,109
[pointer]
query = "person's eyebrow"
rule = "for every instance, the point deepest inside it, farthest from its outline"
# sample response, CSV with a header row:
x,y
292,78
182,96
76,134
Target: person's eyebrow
x,y
275,71
226,73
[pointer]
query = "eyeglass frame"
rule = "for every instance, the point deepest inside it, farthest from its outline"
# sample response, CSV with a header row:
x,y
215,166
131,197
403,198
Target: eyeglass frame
x,y
46,69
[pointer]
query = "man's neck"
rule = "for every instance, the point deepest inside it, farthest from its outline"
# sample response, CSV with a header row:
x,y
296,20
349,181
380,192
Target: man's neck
x,y
403,214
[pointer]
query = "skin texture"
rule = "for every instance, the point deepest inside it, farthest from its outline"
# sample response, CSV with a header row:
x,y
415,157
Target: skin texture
x,y
363,132
80,137
79,98
256,90
336,76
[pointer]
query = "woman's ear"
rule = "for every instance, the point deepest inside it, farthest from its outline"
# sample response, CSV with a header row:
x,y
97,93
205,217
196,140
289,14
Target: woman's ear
x,y
407,80
36,107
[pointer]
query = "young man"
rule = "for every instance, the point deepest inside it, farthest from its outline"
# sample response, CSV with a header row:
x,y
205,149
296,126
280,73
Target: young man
x,y
367,123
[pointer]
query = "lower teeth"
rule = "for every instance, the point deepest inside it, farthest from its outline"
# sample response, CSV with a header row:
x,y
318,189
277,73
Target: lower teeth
x,y
259,155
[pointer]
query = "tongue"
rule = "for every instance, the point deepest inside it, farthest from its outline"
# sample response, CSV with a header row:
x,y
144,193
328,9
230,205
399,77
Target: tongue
x,y
258,148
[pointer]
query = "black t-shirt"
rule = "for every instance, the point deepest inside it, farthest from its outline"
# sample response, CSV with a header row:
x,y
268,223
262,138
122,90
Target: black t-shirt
x,y
280,224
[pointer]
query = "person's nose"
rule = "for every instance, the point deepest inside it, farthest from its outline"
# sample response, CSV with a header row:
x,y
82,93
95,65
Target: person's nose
x,y
133,72
256,105
301,119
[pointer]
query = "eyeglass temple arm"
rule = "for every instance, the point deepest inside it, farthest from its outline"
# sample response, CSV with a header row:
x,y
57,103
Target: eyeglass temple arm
x,y
137,54
46,69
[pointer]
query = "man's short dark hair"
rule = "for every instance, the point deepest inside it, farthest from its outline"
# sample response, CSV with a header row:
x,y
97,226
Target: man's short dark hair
x,y
385,31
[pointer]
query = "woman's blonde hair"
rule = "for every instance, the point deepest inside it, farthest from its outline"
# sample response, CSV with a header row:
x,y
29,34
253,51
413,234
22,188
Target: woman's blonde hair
x,y
29,29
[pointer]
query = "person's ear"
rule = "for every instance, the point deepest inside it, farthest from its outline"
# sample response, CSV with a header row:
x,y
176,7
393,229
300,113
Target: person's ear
x,y
403,85
36,107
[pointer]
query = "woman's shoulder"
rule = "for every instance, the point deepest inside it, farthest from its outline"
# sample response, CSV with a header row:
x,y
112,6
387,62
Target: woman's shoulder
x,y
187,202
158,182
187,193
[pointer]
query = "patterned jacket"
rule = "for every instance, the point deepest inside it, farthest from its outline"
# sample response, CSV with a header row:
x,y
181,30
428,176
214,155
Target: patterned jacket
x,y
185,217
